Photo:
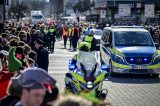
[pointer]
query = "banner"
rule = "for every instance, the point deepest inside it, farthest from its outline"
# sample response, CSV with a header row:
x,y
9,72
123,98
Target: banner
x,y
149,10
124,10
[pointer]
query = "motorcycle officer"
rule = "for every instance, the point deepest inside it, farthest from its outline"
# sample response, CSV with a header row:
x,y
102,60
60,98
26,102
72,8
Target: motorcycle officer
x,y
83,46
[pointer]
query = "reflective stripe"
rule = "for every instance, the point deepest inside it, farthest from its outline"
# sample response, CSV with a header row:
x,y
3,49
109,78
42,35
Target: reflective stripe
x,y
115,51
120,65
69,31
154,66
79,78
156,53
45,31
118,52
100,77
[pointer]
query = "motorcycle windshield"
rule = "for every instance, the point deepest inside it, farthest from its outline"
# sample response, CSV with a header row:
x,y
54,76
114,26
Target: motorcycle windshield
x,y
88,60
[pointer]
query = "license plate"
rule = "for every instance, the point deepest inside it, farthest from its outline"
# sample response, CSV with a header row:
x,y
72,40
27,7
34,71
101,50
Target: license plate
x,y
139,67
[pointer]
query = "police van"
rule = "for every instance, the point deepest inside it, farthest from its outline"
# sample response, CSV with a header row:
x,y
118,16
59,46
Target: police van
x,y
129,49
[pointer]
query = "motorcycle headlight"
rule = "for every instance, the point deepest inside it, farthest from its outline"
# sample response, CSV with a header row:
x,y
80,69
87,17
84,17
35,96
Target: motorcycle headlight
x,y
119,58
89,84
156,58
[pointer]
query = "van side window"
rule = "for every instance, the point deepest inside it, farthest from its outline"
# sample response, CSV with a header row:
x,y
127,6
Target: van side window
x,y
110,37
107,37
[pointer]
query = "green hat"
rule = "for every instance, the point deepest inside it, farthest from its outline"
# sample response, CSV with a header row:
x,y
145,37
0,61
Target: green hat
x,y
13,63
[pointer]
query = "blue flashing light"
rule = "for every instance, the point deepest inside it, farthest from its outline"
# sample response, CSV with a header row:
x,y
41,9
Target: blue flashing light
x,y
72,67
131,59
145,59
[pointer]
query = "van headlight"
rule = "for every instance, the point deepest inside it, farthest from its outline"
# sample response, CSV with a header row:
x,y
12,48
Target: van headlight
x,y
156,58
119,58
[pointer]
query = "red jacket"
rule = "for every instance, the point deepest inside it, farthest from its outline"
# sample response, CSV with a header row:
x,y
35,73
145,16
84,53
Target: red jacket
x,y
4,81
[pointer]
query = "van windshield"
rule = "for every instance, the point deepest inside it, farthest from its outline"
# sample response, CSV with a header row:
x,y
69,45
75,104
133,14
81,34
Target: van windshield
x,y
132,39
37,17
98,32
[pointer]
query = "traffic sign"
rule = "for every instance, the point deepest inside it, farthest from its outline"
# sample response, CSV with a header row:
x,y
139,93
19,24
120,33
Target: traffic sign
x,y
149,10
103,14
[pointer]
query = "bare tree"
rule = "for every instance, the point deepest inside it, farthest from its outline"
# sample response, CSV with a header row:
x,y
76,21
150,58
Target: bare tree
x,y
18,10
80,7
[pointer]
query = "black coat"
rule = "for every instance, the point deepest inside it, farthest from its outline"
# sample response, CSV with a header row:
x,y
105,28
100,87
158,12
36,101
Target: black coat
x,y
52,36
42,58
9,100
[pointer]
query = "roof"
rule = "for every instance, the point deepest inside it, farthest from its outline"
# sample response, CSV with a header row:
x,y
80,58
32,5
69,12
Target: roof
x,y
127,28
96,29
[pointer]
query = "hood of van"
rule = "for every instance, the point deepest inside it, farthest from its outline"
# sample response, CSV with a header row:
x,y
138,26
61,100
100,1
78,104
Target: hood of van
x,y
137,51
98,37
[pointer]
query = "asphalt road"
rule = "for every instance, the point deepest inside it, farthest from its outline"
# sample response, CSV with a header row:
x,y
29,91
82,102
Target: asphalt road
x,y
124,90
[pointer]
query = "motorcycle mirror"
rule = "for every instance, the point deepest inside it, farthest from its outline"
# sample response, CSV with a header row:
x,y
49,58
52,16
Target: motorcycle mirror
x,y
105,67
72,67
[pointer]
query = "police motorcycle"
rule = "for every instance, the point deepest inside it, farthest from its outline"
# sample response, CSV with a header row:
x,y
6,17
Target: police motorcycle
x,y
86,75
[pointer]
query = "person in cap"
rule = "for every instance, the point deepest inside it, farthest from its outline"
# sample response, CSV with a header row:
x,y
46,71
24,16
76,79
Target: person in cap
x,y
51,38
42,55
65,35
33,94
75,37
42,33
70,36
35,81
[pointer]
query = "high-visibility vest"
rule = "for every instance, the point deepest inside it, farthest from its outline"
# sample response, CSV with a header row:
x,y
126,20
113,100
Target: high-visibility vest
x,y
51,30
73,31
65,32
88,39
69,31
45,31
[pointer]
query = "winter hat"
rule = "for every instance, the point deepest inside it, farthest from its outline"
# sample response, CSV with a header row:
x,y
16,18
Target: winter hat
x,y
19,53
39,41
13,63
27,48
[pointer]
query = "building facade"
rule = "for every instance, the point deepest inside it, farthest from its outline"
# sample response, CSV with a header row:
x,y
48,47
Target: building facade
x,y
133,11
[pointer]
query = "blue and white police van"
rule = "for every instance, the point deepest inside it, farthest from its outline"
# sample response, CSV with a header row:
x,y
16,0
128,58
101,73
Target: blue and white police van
x,y
129,49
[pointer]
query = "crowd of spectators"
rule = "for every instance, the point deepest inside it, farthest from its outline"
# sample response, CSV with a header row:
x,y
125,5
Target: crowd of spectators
x,y
24,78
